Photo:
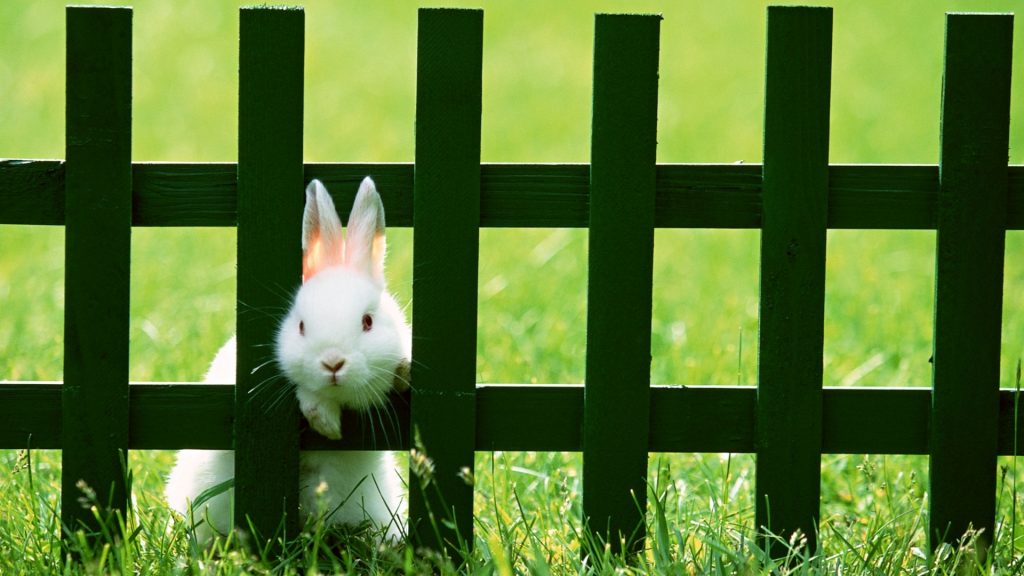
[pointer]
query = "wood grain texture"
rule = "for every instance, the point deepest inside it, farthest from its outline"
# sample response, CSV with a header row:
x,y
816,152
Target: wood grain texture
x,y
97,261
270,203
513,417
969,275
868,196
446,236
518,417
792,301
619,290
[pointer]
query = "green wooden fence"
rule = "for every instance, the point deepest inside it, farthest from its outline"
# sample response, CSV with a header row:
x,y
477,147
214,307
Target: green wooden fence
x,y
971,198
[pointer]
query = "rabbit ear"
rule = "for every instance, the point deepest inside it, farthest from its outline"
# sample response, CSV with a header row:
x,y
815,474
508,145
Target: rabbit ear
x,y
322,243
365,244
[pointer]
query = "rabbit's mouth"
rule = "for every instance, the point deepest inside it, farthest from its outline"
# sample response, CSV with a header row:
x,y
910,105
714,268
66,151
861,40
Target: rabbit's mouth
x,y
335,380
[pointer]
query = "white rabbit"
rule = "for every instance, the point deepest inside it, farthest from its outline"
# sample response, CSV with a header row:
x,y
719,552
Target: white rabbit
x,y
344,344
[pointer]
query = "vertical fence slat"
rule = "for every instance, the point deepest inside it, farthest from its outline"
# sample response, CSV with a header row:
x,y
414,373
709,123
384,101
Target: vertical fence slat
x,y
621,251
97,259
795,197
446,221
270,201
969,274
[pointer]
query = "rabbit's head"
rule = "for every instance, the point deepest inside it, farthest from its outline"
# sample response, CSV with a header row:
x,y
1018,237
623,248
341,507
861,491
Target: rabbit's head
x,y
345,340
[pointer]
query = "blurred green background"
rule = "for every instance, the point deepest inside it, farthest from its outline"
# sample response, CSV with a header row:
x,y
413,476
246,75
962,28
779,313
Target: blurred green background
x,y
360,86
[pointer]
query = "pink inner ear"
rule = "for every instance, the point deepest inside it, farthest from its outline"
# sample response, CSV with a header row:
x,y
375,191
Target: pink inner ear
x,y
377,260
313,259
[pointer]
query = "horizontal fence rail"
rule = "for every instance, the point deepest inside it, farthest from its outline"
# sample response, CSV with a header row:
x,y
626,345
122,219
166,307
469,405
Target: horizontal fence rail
x,y
861,197
519,417
962,422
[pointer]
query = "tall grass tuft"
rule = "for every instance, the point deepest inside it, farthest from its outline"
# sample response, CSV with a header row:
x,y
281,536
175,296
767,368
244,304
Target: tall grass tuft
x,y
527,522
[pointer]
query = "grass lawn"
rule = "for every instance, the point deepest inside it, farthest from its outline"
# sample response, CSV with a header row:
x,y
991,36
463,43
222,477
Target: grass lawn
x,y
360,85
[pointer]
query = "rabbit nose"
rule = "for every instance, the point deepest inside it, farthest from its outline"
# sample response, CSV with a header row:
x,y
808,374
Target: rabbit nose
x,y
333,364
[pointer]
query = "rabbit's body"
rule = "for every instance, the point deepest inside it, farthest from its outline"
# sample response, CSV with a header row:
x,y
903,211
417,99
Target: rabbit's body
x,y
345,487
344,345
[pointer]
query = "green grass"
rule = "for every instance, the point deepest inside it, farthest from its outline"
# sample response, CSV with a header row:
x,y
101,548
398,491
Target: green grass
x,y
360,82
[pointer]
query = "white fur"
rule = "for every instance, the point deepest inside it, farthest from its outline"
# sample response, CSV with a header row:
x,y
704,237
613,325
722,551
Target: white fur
x,y
338,291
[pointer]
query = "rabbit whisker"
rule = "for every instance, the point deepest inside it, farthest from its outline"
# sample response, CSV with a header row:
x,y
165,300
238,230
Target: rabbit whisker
x,y
384,374
389,412
282,396
272,312
277,394
267,385
285,292
383,408
383,429
373,432
256,369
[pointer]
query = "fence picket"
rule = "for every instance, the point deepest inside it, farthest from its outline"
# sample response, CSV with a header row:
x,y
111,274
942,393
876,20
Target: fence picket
x,y
969,274
618,364
98,200
270,201
446,218
792,303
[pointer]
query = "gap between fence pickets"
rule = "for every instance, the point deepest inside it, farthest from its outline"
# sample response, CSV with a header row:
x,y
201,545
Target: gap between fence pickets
x,y
862,196
523,417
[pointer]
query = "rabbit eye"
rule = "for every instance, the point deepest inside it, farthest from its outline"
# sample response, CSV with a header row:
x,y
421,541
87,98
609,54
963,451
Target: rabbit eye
x,y
302,328
367,322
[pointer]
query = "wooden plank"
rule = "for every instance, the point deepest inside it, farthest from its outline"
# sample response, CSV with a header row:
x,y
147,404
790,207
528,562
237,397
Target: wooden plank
x,y
270,203
969,275
185,194
518,417
875,420
708,196
31,415
211,406
97,264
792,303
32,192
618,364
882,197
1011,423
158,409
446,237
702,419
515,196
529,417
889,197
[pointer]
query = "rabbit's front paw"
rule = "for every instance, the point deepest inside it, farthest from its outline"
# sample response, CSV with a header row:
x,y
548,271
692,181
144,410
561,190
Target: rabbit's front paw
x,y
324,420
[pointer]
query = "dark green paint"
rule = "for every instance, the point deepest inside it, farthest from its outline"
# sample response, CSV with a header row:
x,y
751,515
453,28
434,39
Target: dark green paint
x,y
270,202
446,227
792,304
520,417
891,197
97,261
969,275
618,364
